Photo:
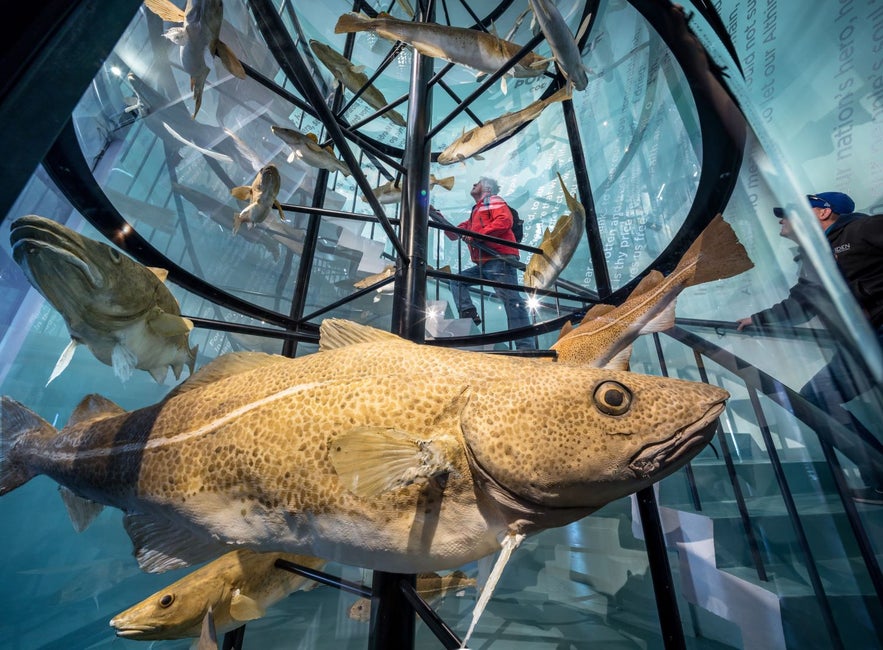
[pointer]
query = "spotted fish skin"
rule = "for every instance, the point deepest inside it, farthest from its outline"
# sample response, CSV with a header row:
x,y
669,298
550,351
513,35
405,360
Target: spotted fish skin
x,y
374,452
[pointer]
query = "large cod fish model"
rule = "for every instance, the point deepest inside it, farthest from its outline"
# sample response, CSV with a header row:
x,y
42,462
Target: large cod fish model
x,y
113,305
493,131
470,47
237,587
558,245
305,147
261,197
354,79
200,32
604,337
565,47
375,452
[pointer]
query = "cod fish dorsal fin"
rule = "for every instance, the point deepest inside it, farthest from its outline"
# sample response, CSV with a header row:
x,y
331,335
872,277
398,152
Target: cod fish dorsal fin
x,y
162,545
596,312
225,366
94,407
81,511
648,283
338,333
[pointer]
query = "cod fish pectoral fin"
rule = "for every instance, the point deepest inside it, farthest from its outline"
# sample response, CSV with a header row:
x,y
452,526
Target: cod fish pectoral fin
x,y
161,545
374,460
63,361
243,608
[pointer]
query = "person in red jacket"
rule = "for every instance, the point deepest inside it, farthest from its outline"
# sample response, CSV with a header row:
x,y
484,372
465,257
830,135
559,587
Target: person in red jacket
x,y
493,261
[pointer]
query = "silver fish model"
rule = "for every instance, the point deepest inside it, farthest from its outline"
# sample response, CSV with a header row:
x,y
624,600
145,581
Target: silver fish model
x,y
200,32
261,196
558,245
481,137
375,452
391,191
305,147
237,587
470,47
604,337
563,43
353,78
116,307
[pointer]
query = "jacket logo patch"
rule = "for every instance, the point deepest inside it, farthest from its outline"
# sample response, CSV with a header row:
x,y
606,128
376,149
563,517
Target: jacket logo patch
x,y
841,249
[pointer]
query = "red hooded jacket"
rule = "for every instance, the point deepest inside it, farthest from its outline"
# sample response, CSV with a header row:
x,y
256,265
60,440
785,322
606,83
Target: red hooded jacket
x,y
490,216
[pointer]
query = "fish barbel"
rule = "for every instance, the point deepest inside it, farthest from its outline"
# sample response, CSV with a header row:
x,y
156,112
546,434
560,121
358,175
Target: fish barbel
x,y
239,586
470,47
430,586
604,337
375,452
558,245
561,41
116,307
261,195
391,191
306,147
200,31
495,130
354,79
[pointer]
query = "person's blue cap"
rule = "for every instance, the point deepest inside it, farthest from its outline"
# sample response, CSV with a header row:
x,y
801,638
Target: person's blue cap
x,y
839,202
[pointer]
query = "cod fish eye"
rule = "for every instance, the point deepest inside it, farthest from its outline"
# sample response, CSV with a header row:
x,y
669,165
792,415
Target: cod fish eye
x,y
612,398
167,600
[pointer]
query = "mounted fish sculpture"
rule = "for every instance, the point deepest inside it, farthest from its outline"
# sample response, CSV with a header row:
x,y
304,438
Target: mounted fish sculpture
x,y
376,452
305,147
261,197
237,587
200,32
558,245
490,133
430,586
354,79
391,191
472,48
113,305
564,45
604,337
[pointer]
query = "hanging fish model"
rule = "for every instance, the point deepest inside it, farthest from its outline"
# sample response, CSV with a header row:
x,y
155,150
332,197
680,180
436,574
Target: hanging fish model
x,y
306,147
375,452
353,78
604,337
558,245
430,586
563,44
470,47
391,191
493,131
113,305
237,587
200,31
261,196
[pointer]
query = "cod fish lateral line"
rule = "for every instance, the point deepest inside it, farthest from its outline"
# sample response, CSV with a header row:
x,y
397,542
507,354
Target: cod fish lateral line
x,y
604,337
375,452
119,309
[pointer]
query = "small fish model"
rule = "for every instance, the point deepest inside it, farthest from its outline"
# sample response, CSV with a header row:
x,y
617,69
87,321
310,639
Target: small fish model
x,y
113,305
237,587
564,45
306,147
481,137
430,586
200,31
604,337
375,452
470,47
391,191
558,245
354,79
261,196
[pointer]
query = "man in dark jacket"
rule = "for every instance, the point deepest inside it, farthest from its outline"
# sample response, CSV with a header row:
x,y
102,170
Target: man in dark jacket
x,y
857,243
493,261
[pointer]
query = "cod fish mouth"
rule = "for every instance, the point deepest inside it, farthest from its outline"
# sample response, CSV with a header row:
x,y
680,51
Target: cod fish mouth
x,y
653,458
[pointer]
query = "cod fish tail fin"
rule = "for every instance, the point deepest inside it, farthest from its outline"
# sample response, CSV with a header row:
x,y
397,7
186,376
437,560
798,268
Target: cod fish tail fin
x,y
352,22
17,421
715,255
